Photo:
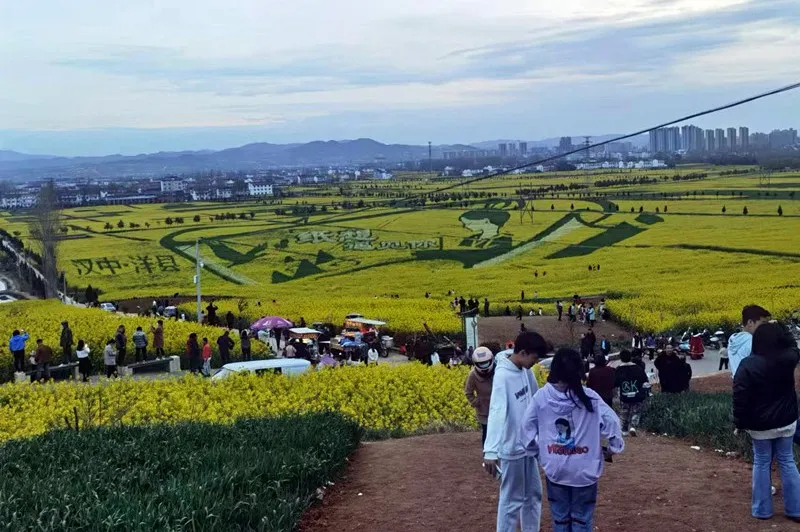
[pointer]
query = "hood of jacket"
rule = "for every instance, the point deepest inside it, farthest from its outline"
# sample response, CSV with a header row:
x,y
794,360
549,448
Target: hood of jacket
x,y
740,345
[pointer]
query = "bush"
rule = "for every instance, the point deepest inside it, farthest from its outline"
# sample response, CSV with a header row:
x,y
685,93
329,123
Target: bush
x,y
251,475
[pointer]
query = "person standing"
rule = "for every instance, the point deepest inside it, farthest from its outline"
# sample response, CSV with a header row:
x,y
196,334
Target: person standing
x,y
224,344
486,307
504,453
140,344
571,312
462,305
478,386
66,343
723,357
193,353
765,405
590,315
211,313
602,379
559,309
110,358
206,358
372,355
605,346
244,338
158,338
84,364
16,344
121,344
564,423
740,344
230,320
634,388
43,357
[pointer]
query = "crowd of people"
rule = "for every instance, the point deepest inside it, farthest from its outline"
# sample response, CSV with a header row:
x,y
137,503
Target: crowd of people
x,y
570,426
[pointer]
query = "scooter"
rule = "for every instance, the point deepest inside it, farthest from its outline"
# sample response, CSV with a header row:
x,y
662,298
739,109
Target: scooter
x,y
716,340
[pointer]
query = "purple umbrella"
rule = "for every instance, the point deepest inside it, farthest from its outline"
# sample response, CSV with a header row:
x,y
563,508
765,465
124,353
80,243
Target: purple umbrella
x,y
271,322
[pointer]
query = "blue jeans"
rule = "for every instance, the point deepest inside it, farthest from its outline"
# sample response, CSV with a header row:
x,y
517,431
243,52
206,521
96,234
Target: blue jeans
x,y
764,452
572,508
520,501
797,434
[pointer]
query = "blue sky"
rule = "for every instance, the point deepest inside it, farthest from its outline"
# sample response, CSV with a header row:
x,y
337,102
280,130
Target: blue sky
x,y
96,77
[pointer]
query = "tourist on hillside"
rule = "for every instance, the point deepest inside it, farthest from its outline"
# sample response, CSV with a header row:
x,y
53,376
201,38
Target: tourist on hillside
x,y
211,313
591,315
670,371
230,320
478,387
636,341
684,374
564,424
723,357
513,387
605,346
765,404
158,338
634,388
110,358
637,357
602,379
486,307
740,344
289,351
66,343
559,309
244,338
522,295
372,355
462,304
571,312
121,342
16,344
584,352
140,344
43,357
206,355
508,310
193,353
84,364
224,344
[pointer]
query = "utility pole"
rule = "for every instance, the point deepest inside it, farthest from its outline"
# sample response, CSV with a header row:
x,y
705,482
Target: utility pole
x,y
198,267
430,159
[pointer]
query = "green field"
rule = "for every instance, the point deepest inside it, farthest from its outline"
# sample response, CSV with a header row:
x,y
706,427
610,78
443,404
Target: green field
x,y
668,255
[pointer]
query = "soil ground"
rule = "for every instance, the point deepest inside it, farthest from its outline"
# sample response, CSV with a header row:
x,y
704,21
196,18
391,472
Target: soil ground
x,y
504,329
435,483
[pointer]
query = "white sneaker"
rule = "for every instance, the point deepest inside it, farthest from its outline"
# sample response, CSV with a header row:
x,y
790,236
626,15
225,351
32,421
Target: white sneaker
x,y
774,491
624,432
633,432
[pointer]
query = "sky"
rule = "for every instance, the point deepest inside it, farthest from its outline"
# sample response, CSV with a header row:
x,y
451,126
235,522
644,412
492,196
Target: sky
x,y
98,77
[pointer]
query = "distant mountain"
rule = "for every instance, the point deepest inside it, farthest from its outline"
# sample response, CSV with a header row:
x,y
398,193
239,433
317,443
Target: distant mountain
x,y
14,156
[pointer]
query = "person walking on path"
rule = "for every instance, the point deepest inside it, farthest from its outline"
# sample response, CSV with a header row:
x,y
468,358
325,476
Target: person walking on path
x,y
591,315
559,309
66,343
110,358
84,364
244,338
486,307
16,344
723,357
140,344
206,358
602,380
564,424
193,353
504,453
43,357
605,346
571,312
478,387
740,344
158,338
224,344
634,388
765,405
121,344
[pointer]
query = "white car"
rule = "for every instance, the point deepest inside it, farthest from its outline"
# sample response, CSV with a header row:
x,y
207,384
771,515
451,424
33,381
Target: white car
x,y
108,307
281,366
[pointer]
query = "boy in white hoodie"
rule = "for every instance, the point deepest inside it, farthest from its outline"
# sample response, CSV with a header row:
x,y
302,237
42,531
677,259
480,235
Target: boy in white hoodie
x,y
520,500
740,344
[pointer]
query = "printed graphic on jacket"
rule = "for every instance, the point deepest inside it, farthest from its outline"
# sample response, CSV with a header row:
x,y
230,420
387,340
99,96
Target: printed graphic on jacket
x,y
629,388
565,441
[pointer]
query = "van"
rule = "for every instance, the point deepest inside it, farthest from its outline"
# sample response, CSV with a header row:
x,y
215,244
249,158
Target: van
x,y
281,366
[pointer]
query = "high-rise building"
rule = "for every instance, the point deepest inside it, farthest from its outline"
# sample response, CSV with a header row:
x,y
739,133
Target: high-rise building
x,y
782,138
719,135
732,144
653,141
711,145
759,140
565,144
523,148
503,149
744,138
696,140
673,139
685,137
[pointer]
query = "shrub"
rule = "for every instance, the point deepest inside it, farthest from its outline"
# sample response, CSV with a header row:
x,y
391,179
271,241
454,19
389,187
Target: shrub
x,y
251,475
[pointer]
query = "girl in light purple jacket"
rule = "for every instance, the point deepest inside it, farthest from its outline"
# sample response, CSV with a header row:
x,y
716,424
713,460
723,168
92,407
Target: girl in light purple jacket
x,y
565,423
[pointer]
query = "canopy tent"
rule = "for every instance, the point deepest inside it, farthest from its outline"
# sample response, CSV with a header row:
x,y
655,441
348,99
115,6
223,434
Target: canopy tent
x,y
304,331
271,322
364,321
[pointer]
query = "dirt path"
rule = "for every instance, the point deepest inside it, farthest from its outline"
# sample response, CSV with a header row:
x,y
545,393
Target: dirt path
x,y
435,483
503,329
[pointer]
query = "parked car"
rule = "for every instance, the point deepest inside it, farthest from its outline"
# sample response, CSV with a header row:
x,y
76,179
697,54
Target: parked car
x,y
108,307
281,366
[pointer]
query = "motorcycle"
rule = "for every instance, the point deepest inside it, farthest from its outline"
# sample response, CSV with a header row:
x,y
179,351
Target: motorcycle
x,y
717,339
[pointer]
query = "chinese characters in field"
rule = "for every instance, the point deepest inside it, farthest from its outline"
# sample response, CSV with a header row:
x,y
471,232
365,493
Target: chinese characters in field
x,y
361,240
138,263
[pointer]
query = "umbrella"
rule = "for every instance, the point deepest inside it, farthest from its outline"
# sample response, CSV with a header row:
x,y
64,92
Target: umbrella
x,y
271,322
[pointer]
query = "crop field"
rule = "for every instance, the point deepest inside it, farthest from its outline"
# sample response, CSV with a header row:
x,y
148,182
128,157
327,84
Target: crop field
x,y
668,248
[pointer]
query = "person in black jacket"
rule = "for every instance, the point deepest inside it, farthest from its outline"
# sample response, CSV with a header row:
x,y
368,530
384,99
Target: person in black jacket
x,y
765,405
634,387
671,372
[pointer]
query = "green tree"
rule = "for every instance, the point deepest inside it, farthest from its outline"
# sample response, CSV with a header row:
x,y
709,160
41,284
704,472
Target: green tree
x,y
724,209
121,224
744,211
780,210
168,221
196,218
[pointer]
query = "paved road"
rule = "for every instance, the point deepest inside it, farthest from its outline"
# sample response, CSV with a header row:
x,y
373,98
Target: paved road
x,y
705,366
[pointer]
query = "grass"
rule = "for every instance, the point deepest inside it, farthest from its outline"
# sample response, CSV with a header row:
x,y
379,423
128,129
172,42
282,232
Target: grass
x,y
250,475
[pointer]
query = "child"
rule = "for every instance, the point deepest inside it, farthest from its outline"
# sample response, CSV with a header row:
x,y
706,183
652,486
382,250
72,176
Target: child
x,y
110,358
478,387
520,500
634,388
206,358
565,422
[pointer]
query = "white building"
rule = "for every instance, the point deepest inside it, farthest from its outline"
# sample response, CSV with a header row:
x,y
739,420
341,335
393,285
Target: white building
x,y
259,189
22,201
172,185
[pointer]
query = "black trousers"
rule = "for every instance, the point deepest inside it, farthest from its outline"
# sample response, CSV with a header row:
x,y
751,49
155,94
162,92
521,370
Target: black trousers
x,y
483,434
85,367
111,370
246,353
560,312
723,363
141,354
120,356
19,360
159,352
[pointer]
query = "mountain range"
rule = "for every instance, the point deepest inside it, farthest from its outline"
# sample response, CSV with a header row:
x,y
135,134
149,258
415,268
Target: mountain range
x,y
257,156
